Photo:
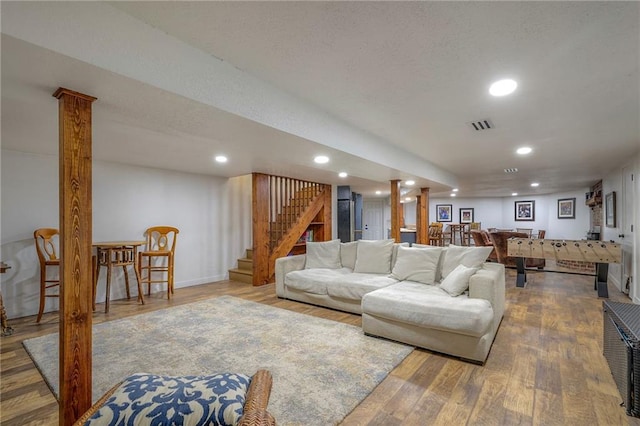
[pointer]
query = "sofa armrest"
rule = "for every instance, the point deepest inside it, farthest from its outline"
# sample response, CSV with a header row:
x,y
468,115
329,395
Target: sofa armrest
x,y
284,265
488,283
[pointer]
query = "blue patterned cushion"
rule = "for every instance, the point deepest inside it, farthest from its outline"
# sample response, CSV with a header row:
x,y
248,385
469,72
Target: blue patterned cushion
x,y
147,399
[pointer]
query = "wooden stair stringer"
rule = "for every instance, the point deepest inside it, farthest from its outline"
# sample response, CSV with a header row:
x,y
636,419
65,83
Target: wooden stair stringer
x,y
287,242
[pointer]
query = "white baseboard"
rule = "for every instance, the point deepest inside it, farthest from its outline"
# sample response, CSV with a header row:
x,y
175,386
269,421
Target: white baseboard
x,y
614,280
199,281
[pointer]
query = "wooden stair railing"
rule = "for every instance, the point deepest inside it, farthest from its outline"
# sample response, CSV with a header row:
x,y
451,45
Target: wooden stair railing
x,y
283,209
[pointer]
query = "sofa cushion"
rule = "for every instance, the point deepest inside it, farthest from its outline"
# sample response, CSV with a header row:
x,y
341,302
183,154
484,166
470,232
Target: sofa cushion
x,y
325,254
394,253
348,253
374,256
457,282
430,307
313,280
471,257
148,399
354,286
417,264
442,255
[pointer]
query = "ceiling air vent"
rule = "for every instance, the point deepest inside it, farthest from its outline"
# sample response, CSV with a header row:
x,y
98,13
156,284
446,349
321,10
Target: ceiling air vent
x,y
481,124
511,170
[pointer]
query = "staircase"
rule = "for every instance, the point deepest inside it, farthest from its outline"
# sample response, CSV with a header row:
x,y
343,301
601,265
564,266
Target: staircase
x,y
282,210
244,271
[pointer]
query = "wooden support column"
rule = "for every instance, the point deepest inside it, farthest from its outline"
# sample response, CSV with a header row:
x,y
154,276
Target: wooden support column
x,y
418,218
326,218
395,210
76,290
422,217
260,219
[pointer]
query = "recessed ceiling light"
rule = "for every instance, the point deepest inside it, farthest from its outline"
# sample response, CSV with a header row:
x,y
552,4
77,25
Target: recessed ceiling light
x,y
455,189
535,184
378,192
221,159
453,195
410,182
321,159
524,150
513,194
407,199
343,174
503,87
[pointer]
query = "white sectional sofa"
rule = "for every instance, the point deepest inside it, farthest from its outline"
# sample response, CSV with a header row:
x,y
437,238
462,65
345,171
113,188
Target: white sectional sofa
x,y
446,300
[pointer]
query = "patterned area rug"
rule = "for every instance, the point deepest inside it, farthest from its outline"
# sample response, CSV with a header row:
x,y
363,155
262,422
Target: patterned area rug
x,y
321,369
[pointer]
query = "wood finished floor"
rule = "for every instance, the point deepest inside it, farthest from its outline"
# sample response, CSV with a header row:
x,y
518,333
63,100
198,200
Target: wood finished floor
x,y
545,368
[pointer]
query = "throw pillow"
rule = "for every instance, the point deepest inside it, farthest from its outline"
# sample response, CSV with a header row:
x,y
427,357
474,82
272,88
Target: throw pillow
x,y
374,256
348,253
150,399
417,264
471,257
457,282
394,253
325,254
442,256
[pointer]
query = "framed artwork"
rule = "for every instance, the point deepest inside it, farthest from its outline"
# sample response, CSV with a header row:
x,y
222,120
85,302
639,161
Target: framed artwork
x,y
567,208
525,210
610,209
443,212
466,215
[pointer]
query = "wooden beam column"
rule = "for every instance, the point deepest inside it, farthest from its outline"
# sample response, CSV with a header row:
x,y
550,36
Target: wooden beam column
x,y
260,220
76,290
395,210
326,218
422,215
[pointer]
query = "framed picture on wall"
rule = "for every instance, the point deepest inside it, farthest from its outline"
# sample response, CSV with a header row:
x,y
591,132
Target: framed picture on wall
x,y
525,210
466,215
610,209
443,212
567,208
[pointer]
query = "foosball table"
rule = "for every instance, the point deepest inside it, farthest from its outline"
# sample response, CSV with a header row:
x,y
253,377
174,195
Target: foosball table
x,y
599,252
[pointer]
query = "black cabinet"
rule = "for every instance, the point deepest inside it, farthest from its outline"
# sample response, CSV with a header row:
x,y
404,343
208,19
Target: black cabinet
x,y
621,329
349,214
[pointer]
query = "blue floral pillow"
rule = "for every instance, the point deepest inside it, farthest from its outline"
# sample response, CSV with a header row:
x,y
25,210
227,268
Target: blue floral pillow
x,y
147,399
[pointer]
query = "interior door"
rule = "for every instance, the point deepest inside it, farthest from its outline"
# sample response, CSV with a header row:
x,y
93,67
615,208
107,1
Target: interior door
x,y
626,229
373,220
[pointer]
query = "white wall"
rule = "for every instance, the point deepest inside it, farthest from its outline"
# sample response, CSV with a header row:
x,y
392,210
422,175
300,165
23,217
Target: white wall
x,y
635,287
213,215
613,182
500,213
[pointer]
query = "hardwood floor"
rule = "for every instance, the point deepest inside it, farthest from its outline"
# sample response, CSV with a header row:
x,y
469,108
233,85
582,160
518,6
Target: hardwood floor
x,y
545,368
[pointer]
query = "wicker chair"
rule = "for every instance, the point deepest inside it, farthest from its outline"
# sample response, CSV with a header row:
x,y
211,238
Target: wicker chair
x,y
255,406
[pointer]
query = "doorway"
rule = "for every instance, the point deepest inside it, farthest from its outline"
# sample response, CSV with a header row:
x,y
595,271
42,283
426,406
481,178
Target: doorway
x,y
373,220
626,235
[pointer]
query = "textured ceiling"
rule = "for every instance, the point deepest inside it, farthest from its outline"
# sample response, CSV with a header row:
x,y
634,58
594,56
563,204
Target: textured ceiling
x,y
412,74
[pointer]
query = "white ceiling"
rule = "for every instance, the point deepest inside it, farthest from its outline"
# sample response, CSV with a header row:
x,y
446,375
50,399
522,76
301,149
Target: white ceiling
x,y
406,78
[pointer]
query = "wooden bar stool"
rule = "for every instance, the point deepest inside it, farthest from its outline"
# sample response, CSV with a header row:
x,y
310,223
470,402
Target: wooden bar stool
x,y
161,243
46,249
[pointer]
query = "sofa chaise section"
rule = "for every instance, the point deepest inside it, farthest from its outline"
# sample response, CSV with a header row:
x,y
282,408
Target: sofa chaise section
x,y
426,316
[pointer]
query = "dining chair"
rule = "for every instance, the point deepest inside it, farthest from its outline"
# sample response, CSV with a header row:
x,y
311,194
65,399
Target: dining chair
x,y
541,234
527,231
45,239
435,234
473,226
159,255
